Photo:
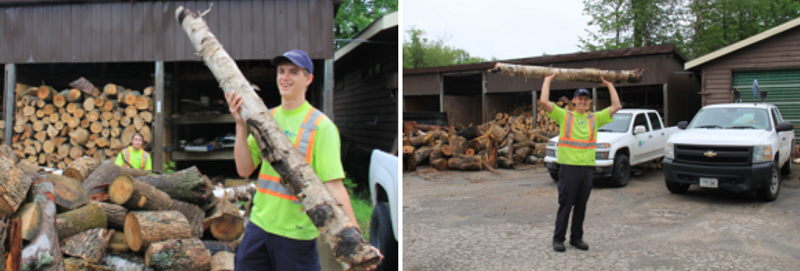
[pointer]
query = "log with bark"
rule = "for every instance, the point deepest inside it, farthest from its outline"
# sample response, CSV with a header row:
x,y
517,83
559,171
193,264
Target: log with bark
x,y
223,261
115,215
409,159
89,245
14,185
458,145
13,253
504,162
43,252
182,254
192,213
78,264
3,232
238,193
566,74
143,228
69,194
344,238
219,246
118,243
96,184
88,217
30,216
187,185
85,86
224,222
418,141
422,154
137,195
125,262
470,132
465,162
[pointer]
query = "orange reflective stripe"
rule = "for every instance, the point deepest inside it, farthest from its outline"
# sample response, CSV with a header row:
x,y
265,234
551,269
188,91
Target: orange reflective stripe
x,y
276,194
128,157
300,132
310,148
571,126
272,112
269,177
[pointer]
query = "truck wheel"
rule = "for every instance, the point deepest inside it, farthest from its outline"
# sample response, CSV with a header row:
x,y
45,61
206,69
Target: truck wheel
x,y
554,175
677,188
770,193
622,171
382,237
786,169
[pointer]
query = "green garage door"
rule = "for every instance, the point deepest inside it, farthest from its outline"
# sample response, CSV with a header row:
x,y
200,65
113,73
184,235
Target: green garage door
x,y
782,88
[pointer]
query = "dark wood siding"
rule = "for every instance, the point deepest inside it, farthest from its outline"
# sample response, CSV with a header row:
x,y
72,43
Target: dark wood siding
x,y
148,31
365,110
422,84
778,52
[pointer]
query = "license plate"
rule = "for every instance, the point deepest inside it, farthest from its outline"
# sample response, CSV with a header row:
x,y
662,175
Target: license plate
x,y
709,182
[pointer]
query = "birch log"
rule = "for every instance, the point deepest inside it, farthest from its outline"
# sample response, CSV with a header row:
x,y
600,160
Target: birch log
x,y
343,237
583,75
43,252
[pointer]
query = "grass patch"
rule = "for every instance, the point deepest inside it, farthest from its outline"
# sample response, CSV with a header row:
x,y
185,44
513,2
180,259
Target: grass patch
x,y
362,207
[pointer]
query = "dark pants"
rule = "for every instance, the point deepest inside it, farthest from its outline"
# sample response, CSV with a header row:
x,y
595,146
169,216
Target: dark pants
x,y
261,250
574,187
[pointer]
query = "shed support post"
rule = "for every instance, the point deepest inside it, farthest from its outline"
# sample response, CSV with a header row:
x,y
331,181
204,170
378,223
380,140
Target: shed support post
x,y
327,89
158,135
535,107
666,106
594,99
441,93
484,109
8,113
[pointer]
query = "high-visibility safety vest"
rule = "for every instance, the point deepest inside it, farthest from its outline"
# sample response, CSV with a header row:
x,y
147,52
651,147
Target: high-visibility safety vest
x,y
127,157
271,185
569,142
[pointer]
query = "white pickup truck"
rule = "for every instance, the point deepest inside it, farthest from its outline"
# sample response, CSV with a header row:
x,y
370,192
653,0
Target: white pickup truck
x,y
736,147
635,136
384,188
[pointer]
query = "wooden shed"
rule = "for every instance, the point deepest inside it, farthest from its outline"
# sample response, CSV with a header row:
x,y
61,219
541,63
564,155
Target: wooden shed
x,y
365,94
470,94
771,57
139,43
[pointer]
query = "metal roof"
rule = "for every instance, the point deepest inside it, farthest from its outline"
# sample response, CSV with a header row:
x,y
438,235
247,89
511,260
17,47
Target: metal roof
x,y
384,22
619,53
741,44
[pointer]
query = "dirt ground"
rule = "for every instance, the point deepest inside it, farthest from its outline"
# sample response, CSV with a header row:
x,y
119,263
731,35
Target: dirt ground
x,y
483,221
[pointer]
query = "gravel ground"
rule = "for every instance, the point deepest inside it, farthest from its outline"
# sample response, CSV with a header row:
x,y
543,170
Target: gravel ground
x,y
482,221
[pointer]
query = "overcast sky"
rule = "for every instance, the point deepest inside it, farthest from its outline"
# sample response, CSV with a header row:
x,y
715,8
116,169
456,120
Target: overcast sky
x,y
505,29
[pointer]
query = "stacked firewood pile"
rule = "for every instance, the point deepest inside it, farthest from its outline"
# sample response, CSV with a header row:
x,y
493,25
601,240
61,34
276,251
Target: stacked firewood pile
x,y
53,128
99,216
483,146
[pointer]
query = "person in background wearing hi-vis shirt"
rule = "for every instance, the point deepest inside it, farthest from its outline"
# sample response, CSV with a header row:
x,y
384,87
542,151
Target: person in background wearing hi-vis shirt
x,y
280,236
577,139
135,156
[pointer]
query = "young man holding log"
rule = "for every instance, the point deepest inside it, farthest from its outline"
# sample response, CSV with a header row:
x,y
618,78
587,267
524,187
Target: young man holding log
x,y
576,154
280,236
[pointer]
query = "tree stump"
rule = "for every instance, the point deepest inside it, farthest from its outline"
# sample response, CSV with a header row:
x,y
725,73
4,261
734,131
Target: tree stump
x,y
187,185
136,195
145,227
89,245
465,162
224,222
88,217
182,254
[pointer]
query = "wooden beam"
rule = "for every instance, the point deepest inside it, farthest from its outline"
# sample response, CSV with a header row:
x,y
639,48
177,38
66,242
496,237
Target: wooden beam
x,y
158,123
8,93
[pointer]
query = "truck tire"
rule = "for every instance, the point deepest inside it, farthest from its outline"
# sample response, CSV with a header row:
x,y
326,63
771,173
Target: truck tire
x,y
554,175
622,171
786,169
677,188
382,237
770,192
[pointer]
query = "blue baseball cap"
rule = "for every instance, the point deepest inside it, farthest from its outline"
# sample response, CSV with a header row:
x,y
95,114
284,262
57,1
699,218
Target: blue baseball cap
x,y
582,91
297,57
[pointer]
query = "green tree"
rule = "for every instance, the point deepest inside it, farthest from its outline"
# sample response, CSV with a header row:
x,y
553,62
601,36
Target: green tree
x,y
631,23
355,15
420,52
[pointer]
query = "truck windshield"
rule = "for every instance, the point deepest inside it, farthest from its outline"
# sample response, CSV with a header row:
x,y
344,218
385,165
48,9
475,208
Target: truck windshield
x,y
619,125
732,118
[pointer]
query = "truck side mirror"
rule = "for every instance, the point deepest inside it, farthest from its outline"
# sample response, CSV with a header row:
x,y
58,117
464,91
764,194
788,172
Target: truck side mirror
x,y
784,126
682,124
639,129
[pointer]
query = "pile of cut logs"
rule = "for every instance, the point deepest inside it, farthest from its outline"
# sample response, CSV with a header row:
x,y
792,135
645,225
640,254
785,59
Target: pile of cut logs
x,y
99,216
484,146
54,128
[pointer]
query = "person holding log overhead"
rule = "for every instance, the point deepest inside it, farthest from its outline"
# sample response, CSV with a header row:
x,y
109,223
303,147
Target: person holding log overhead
x,y
577,141
280,236
134,156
